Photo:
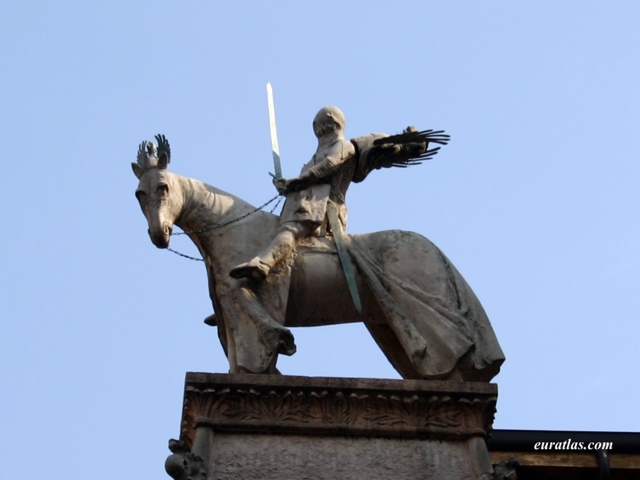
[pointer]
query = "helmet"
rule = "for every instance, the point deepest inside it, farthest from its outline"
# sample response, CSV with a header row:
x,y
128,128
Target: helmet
x,y
331,112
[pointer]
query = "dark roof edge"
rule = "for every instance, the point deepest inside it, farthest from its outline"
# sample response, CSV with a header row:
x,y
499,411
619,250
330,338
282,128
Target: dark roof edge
x,y
531,441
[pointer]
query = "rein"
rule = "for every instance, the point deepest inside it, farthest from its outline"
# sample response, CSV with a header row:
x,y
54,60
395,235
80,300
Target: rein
x,y
222,225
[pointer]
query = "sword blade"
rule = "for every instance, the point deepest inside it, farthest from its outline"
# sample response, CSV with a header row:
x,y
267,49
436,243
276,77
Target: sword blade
x,y
274,133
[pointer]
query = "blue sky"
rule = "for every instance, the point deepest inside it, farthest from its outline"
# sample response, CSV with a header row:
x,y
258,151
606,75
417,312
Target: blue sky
x,y
535,200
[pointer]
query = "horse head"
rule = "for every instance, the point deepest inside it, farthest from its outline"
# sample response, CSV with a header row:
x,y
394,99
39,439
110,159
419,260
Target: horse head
x,y
158,192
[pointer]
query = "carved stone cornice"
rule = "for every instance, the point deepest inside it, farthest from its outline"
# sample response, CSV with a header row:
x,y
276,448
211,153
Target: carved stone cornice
x,y
337,406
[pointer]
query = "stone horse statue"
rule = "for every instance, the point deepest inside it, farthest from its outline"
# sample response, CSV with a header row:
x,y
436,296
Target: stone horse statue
x,y
418,308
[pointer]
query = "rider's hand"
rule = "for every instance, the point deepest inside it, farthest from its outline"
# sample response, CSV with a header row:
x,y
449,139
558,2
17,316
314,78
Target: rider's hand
x,y
281,185
294,184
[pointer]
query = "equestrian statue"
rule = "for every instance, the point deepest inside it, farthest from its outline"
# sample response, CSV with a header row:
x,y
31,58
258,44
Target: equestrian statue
x,y
301,268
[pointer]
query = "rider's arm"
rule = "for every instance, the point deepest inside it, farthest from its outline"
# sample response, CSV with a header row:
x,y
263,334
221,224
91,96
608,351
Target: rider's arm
x,y
339,153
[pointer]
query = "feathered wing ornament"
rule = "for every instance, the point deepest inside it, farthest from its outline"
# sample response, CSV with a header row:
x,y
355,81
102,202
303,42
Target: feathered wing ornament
x,y
411,147
142,154
164,150
150,156
146,159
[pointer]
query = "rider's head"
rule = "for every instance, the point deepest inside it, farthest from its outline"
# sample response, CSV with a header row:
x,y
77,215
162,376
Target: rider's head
x,y
328,119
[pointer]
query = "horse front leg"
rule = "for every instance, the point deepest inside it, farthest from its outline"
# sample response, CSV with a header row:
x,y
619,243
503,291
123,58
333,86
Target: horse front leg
x,y
230,351
226,340
253,339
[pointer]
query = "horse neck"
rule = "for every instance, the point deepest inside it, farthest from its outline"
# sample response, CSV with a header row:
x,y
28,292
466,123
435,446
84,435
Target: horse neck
x,y
205,206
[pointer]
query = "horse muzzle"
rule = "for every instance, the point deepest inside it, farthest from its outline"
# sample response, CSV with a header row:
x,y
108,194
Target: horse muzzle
x,y
161,237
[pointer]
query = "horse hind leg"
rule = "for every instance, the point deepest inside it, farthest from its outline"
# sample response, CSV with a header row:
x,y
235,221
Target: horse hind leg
x,y
392,349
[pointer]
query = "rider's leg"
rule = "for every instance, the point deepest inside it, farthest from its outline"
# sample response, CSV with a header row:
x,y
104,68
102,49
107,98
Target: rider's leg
x,y
258,268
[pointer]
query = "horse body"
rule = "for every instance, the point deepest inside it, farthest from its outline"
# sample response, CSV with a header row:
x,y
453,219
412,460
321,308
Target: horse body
x,y
309,289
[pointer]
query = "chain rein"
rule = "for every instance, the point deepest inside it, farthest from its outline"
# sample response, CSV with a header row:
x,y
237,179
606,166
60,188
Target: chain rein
x,y
222,225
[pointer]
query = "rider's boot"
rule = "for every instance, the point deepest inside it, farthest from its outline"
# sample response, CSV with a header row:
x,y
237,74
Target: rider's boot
x,y
254,268
259,267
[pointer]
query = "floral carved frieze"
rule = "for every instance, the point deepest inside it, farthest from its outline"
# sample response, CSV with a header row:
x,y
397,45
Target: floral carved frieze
x,y
377,408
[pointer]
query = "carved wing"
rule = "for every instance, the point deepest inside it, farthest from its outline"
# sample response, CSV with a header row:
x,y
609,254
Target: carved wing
x,y
163,148
411,147
142,154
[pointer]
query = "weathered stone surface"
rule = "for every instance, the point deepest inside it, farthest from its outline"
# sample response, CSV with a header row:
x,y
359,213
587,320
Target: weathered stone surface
x,y
417,306
280,427
311,457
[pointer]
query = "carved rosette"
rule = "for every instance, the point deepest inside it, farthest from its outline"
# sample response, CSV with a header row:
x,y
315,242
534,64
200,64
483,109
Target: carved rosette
x,y
386,408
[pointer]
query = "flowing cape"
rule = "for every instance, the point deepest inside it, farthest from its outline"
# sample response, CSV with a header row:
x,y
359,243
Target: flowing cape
x,y
435,315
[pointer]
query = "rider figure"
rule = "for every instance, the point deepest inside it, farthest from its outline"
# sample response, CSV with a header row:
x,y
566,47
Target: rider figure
x,y
323,180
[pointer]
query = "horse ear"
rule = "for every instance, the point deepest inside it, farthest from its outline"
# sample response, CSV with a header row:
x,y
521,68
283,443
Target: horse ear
x,y
137,169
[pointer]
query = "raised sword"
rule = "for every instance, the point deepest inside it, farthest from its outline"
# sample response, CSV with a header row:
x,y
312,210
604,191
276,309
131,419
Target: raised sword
x,y
275,150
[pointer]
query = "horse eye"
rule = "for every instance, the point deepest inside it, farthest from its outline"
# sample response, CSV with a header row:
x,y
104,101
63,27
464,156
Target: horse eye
x,y
140,195
163,189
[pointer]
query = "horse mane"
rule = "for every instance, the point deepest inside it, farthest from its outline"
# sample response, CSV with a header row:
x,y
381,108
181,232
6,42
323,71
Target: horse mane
x,y
223,207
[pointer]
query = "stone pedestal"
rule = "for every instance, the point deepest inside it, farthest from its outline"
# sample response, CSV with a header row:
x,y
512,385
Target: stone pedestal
x,y
283,427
